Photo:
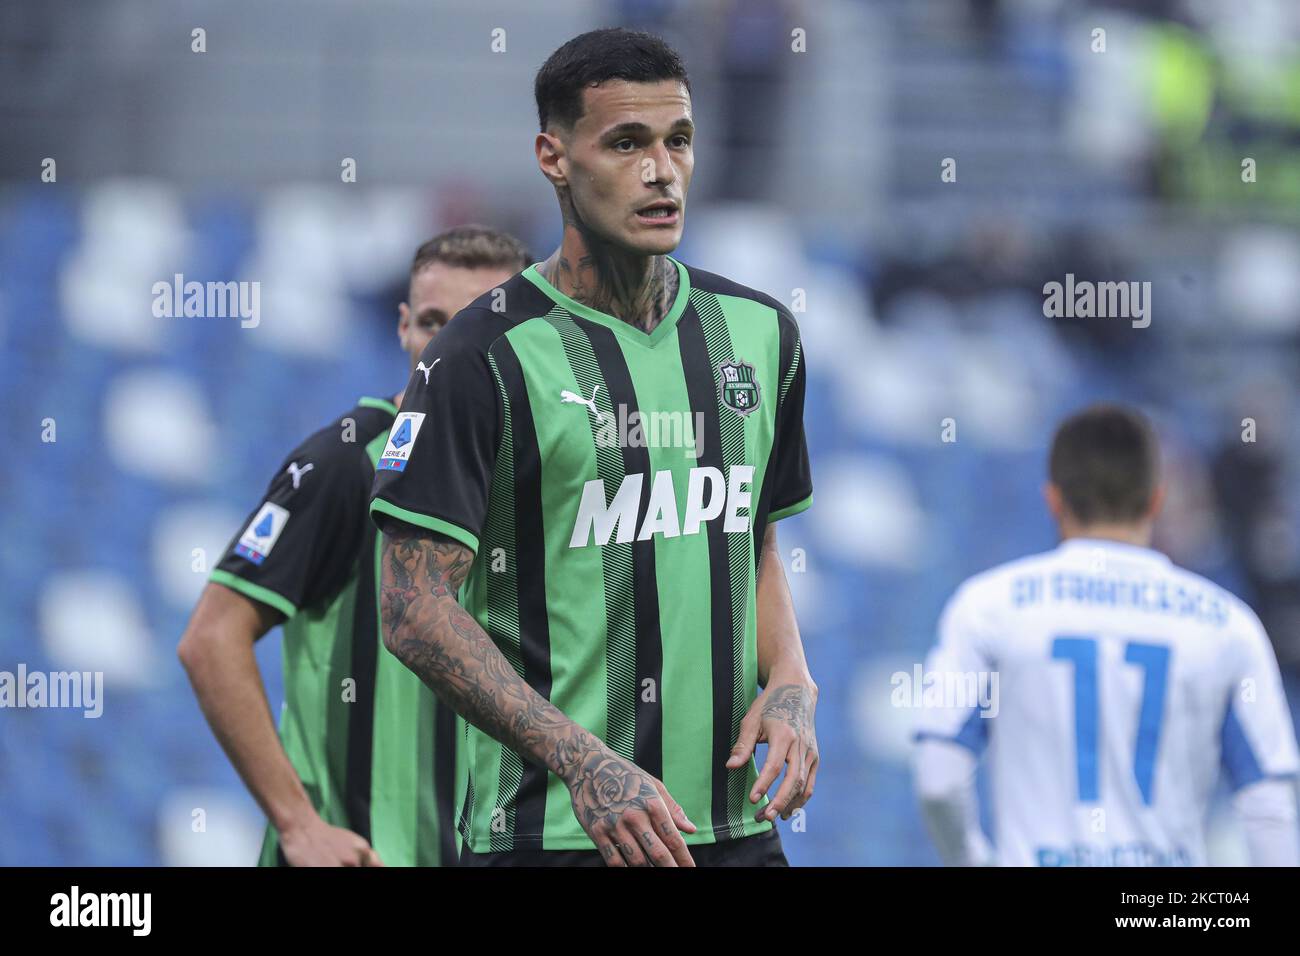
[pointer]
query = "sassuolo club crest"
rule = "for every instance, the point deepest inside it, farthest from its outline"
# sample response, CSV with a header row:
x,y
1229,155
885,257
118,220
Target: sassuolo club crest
x,y
738,387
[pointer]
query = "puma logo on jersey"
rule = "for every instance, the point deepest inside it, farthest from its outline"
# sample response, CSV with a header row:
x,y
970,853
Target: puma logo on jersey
x,y
296,473
708,494
426,369
567,397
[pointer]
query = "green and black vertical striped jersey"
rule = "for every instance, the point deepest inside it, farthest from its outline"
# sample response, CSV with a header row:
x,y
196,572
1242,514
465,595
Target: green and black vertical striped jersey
x,y
615,486
373,746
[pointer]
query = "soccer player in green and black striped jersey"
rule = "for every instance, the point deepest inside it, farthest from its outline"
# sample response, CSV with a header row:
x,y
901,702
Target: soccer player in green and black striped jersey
x,y
363,769
579,502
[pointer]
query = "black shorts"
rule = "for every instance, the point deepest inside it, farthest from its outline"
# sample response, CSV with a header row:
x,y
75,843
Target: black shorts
x,y
761,850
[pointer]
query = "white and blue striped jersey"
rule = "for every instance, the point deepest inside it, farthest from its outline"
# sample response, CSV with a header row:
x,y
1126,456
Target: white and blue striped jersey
x,y
1120,685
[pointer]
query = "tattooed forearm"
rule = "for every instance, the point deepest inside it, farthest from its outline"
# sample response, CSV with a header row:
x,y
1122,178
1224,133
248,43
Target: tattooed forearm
x,y
429,632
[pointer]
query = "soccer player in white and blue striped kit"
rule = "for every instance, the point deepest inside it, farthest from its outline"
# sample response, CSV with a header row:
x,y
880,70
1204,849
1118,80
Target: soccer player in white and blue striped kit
x,y
1123,684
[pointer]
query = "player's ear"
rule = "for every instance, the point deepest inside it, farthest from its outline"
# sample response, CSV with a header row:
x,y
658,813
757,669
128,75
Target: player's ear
x,y
1055,503
403,323
1157,502
550,156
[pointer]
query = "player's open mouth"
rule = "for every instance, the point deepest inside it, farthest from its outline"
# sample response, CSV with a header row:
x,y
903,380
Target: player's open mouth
x,y
662,213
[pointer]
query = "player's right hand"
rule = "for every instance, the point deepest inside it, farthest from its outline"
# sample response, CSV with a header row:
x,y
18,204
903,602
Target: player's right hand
x,y
316,843
628,814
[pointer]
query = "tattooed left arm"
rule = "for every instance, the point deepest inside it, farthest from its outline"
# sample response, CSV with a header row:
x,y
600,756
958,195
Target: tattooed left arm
x,y
782,716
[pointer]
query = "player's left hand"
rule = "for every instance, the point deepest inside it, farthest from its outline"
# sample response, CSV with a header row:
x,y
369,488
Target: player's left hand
x,y
782,717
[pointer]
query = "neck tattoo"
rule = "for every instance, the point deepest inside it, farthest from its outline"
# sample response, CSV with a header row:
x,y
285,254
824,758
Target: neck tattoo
x,y
641,297
636,289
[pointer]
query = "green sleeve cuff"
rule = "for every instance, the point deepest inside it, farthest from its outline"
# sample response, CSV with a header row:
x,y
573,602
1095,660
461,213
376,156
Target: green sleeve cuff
x,y
255,591
789,510
383,404
454,531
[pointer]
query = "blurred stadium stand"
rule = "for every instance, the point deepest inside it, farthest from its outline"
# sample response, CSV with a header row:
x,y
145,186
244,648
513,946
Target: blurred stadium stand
x,y
924,302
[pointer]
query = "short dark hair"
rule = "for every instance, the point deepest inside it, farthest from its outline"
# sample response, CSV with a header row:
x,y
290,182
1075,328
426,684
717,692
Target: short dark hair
x,y
1106,462
472,247
591,58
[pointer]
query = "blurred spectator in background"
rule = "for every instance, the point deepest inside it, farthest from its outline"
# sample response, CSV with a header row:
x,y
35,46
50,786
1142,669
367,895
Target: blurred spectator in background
x,y
1254,484
754,46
